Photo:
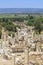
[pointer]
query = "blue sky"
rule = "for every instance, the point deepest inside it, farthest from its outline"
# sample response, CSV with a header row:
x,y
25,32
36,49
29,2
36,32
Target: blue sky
x,y
21,3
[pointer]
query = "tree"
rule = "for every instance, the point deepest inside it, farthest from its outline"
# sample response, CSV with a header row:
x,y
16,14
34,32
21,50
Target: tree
x,y
0,34
30,20
38,25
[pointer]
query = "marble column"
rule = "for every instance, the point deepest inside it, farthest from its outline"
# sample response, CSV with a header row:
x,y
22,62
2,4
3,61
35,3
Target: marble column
x,y
26,56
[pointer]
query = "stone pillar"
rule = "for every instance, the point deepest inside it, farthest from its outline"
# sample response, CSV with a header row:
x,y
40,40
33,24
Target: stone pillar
x,y
37,47
26,56
0,44
13,59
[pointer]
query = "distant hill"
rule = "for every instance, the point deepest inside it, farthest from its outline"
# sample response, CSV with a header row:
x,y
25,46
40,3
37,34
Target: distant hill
x,y
21,10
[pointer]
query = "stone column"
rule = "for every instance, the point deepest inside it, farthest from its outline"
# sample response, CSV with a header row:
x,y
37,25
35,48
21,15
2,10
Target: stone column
x,y
37,47
13,59
26,56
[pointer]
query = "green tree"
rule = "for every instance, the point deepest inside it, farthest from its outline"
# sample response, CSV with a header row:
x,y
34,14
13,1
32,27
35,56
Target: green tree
x,y
30,20
0,34
38,25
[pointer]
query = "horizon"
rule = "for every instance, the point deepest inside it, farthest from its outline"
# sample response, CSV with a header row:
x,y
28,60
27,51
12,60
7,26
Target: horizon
x,y
22,8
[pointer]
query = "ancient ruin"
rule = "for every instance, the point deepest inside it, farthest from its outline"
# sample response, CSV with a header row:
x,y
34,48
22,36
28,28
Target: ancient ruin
x,y
23,49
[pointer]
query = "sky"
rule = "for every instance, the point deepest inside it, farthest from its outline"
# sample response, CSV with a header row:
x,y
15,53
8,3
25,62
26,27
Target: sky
x,y
21,3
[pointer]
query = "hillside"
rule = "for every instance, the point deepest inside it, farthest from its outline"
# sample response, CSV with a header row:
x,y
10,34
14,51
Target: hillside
x,y
21,10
